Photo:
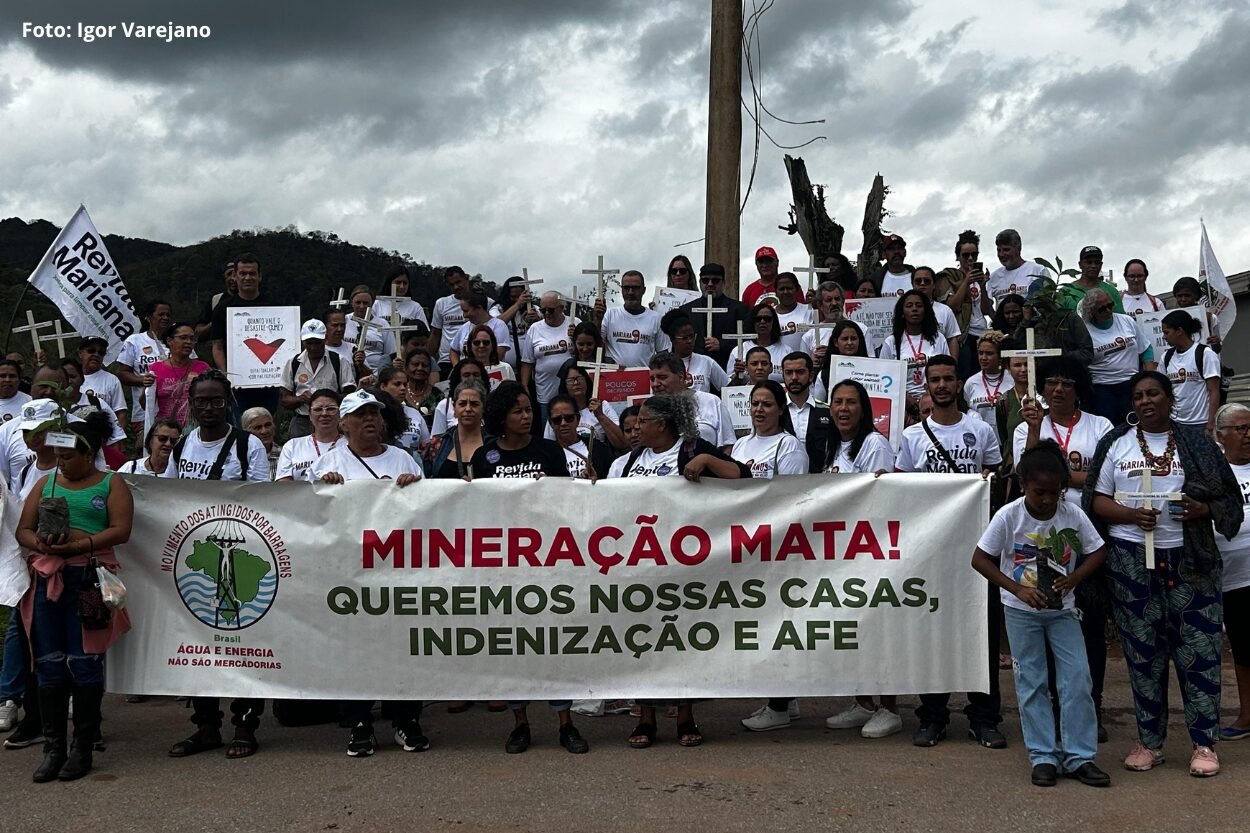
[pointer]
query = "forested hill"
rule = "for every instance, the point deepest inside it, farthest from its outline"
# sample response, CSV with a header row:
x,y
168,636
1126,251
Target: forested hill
x,y
304,268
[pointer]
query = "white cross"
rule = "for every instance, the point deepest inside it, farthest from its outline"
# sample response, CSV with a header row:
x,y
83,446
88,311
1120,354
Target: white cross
x,y
572,302
1031,353
33,328
1148,498
739,337
802,328
341,301
59,336
598,365
362,327
812,270
600,274
527,283
707,311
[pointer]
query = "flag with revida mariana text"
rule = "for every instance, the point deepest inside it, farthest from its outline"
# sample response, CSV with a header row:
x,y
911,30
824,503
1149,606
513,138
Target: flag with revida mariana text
x,y
78,275
1216,293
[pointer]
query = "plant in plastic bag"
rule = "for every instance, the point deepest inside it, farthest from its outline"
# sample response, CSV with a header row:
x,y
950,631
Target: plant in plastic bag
x,y
54,511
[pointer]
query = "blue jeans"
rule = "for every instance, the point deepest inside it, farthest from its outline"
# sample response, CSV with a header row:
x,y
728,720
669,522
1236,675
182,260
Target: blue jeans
x,y
14,671
1031,632
56,635
555,705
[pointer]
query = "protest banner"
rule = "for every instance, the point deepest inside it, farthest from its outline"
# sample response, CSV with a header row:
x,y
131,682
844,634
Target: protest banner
x,y
875,315
263,341
737,399
665,298
520,589
1152,323
77,274
886,383
1216,293
620,385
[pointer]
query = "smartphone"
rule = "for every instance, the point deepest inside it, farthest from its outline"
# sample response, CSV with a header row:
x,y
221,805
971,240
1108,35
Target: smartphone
x,y
979,267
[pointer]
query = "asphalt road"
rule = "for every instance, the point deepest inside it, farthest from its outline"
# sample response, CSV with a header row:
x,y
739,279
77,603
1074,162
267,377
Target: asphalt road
x,y
803,778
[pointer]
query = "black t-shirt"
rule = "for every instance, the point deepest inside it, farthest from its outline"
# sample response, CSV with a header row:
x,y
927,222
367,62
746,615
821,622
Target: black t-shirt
x,y
545,456
219,315
206,311
722,322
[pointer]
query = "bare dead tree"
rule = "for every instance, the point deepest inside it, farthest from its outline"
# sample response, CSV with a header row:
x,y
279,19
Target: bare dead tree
x,y
809,218
874,212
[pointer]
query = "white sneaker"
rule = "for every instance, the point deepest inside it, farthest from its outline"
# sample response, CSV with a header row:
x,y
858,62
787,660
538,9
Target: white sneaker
x,y
794,709
765,719
852,718
8,715
882,724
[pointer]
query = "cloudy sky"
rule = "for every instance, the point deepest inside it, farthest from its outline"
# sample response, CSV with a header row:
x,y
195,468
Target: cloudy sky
x,y
505,133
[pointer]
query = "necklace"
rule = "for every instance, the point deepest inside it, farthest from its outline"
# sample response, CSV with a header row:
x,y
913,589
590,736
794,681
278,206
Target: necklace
x,y
991,394
1160,464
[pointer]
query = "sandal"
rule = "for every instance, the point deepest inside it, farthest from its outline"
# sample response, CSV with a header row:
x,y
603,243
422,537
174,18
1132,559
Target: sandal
x,y
643,736
243,745
202,741
689,734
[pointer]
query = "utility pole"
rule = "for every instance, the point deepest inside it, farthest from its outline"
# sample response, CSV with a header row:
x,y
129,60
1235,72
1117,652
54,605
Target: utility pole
x,y
724,141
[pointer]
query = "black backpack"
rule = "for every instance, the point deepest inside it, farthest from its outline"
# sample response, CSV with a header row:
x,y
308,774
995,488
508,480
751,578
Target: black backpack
x,y
240,441
1226,372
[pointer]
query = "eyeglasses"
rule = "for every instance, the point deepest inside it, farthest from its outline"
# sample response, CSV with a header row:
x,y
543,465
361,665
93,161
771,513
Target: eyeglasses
x,y
921,281
562,419
1058,382
161,438
549,310
679,270
329,409
205,402
93,351
1243,430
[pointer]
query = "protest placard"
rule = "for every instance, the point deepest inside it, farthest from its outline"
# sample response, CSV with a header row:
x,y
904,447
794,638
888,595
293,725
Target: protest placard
x,y
263,341
875,315
886,383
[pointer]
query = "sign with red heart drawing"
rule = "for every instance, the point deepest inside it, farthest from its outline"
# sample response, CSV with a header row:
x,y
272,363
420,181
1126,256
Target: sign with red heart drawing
x,y
260,344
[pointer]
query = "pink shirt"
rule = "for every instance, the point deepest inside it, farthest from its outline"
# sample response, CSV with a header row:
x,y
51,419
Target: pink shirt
x,y
173,385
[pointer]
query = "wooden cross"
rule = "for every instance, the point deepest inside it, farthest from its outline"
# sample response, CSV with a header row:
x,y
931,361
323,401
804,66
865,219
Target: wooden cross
x,y
572,302
600,274
1148,498
802,328
739,337
59,336
812,270
1031,353
598,366
527,283
707,311
33,328
362,327
340,301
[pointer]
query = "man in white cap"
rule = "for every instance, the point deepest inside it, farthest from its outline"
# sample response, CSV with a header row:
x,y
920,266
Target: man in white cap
x,y
312,370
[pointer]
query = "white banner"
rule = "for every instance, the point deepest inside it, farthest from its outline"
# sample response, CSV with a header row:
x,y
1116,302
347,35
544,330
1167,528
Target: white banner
x,y
875,315
262,342
1216,292
77,274
514,589
1152,323
666,298
737,399
886,382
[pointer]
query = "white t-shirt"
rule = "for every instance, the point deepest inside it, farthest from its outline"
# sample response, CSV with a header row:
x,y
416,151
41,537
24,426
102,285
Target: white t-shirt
x,y
982,391
768,457
139,352
1188,385
587,425
25,478
388,465
1145,302
198,457
776,353
977,324
575,464
1122,472
136,467
971,443
447,317
379,345
118,433
705,373
715,422
948,325
1118,350
547,349
444,416
917,350
633,339
417,431
106,387
1004,281
874,455
789,322
808,344
409,310
1236,552
299,454
892,284
11,408
1078,442
13,453
653,464
503,338
1018,539
501,372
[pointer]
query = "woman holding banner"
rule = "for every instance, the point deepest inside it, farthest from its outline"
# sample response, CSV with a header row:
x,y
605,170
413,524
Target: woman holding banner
x,y
1164,566
299,454
461,441
582,461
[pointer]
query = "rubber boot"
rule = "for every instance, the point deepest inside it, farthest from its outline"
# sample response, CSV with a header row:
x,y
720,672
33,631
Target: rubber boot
x,y
86,730
53,707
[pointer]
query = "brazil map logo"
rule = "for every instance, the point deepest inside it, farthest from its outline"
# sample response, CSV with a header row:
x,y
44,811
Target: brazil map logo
x,y
226,573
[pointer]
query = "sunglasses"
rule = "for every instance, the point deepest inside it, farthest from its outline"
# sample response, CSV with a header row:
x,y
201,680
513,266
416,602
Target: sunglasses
x,y
161,438
549,310
710,279
562,419
970,254
93,351
478,342
921,281
765,319
679,270
1104,308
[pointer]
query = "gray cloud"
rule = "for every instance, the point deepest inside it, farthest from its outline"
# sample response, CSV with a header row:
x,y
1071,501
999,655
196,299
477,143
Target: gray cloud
x,y
943,43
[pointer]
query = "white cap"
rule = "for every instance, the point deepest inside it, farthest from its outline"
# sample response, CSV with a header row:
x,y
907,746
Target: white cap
x,y
312,329
356,400
37,413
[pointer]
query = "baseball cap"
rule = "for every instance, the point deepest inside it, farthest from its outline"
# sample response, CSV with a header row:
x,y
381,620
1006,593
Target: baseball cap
x,y
312,329
356,400
712,269
1091,251
892,240
765,251
90,339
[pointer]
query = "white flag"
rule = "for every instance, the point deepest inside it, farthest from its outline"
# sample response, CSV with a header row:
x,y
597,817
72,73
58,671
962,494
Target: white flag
x,y
1216,293
77,274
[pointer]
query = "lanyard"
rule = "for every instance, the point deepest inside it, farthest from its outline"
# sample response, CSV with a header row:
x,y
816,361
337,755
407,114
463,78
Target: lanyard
x,y
915,354
1063,442
317,446
993,397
